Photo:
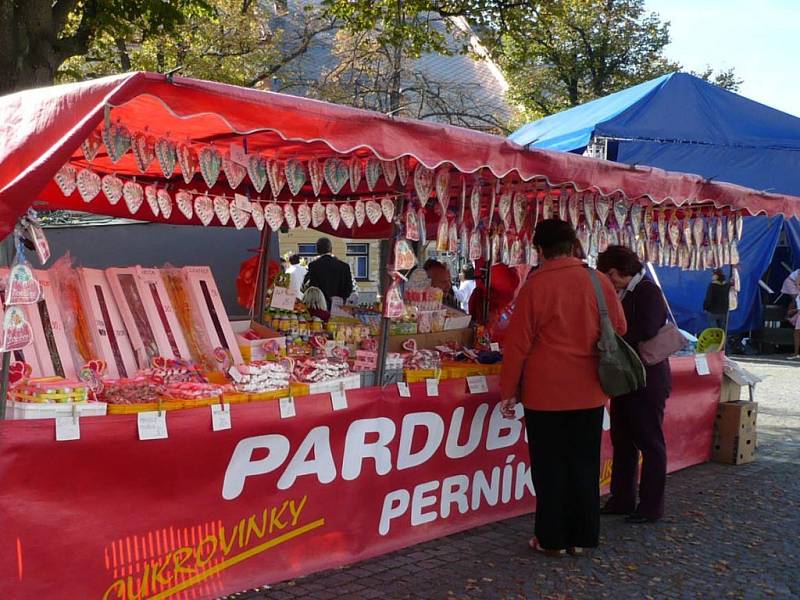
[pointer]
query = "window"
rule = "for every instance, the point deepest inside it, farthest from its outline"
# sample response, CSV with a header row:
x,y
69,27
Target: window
x,y
307,250
358,257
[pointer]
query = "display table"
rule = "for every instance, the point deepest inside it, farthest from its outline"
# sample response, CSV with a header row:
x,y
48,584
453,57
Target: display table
x,y
109,516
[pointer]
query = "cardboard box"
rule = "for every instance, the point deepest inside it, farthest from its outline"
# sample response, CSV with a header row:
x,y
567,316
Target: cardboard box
x,y
256,349
734,440
428,341
737,450
731,391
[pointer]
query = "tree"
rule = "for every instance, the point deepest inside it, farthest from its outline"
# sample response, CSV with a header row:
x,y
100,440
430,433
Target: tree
x,y
38,36
726,79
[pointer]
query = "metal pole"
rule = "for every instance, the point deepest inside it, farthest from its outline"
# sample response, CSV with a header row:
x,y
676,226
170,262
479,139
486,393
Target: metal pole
x,y
383,337
261,277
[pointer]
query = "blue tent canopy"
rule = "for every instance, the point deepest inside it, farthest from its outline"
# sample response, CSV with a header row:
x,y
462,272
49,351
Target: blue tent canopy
x,y
679,122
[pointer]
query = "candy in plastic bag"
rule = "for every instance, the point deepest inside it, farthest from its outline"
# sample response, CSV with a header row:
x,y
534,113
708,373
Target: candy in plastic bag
x,y
404,258
394,307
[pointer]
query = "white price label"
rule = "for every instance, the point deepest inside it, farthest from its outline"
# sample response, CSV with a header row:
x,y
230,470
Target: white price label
x,y
402,389
287,408
220,417
477,384
68,427
152,425
282,298
701,363
432,386
494,347
339,400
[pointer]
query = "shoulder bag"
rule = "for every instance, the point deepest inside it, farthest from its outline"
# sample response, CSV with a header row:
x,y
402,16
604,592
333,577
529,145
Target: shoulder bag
x,y
665,343
620,370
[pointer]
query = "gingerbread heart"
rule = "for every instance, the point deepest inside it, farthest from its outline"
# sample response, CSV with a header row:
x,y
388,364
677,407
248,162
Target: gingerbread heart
x,y
317,214
332,213
143,151
17,332
117,139
304,215
635,217
372,172
184,201
204,209
389,168
504,208
452,238
674,230
356,170
222,210
402,170
166,156
574,210
91,145
273,215
234,172
295,175
348,215
548,209
620,213
387,207
423,226
151,195
134,196
187,159
739,226
88,183
648,222
475,205
603,207
336,174
277,177
210,161
258,215
239,217
360,211
563,199
520,207
165,203
412,225
316,174
588,209
442,186
374,211
257,170
423,183
112,188
67,179
289,216
22,286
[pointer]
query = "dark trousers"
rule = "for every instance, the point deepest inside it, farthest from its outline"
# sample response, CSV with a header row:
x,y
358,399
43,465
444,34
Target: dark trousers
x,y
565,467
636,426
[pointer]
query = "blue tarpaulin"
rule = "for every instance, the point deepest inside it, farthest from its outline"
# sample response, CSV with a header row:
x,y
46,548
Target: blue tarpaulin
x,y
679,122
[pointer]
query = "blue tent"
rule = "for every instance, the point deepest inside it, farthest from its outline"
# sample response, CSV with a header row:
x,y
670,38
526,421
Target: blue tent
x,y
679,122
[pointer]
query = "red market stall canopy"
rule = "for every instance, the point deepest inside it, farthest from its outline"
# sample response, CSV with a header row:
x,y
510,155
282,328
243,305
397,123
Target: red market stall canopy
x,y
165,142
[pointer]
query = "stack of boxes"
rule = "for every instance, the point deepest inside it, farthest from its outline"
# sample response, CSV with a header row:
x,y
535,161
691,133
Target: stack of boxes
x,y
735,426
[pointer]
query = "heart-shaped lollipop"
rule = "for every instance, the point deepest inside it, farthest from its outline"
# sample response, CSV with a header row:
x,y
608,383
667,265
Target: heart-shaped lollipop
x,y
257,170
88,184
389,168
410,345
239,217
210,161
91,145
423,183
164,203
387,208
336,174
112,188
374,211
289,216
360,211
234,172
332,214
67,179
277,177
304,215
151,195
356,170
204,209
317,214
316,174
117,139
166,156
348,215
372,172
257,212
184,201
143,151
222,209
134,196
295,175
187,159
273,215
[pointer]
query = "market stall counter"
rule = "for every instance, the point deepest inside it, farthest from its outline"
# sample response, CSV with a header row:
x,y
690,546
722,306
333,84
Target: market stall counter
x,y
287,489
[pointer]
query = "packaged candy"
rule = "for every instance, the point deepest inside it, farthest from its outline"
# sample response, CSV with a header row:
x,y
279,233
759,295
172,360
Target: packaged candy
x,y
404,258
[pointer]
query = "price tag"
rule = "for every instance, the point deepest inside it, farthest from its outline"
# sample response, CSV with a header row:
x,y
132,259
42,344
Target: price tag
x,y
494,347
235,374
366,360
282,298
701,363
68,427
152,425
339,400
432,386
402,389
477,384
287,408
220,417
242,203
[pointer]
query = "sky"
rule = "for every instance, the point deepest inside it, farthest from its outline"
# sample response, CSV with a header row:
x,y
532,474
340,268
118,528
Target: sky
x,y
759,38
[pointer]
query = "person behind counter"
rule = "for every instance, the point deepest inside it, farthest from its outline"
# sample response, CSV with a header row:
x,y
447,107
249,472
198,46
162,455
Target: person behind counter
x,y
550,364
716,300
329,274
465,287
440,278
637,418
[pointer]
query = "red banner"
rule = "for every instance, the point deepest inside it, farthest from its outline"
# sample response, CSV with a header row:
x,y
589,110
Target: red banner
x,y
205,513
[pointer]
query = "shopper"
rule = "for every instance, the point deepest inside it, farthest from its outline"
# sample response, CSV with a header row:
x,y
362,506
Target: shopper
x,y
465,287
297,275
550,364
637,418
329,274
716,300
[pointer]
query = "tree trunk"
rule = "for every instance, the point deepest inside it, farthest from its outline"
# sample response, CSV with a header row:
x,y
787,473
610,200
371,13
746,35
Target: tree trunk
x,y
28,57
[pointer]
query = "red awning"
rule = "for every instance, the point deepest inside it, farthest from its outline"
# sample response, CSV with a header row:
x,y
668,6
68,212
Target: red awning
x,y
42,129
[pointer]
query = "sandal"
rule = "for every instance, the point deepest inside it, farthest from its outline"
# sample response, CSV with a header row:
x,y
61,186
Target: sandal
x,y
533,543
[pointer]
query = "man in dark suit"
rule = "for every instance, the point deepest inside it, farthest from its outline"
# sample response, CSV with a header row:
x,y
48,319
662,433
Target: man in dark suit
x,y
329,274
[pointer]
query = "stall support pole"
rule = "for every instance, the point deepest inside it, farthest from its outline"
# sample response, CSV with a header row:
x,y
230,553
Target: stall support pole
x,y
383,337
6,256
261,277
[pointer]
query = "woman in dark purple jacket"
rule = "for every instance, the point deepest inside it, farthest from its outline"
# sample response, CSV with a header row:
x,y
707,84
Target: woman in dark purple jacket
x,y
637,418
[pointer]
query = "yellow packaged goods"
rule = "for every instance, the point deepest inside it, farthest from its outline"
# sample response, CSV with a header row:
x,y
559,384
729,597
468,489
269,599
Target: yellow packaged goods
x,y
51,390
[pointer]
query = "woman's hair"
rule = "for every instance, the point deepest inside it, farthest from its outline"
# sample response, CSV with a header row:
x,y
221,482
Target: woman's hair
x,y
620,258
468,271
315,299
555,238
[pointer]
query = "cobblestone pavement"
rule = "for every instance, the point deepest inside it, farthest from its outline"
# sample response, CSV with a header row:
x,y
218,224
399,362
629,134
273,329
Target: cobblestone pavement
x,y
730,532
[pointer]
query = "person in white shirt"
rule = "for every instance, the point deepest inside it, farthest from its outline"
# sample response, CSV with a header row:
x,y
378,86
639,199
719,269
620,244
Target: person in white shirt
x,y
465,288
297,274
